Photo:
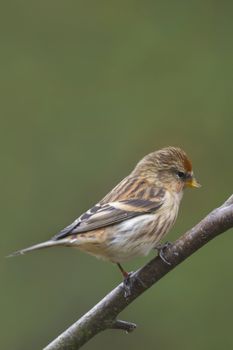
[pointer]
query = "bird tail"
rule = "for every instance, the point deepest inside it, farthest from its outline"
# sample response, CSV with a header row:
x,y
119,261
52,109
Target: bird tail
x,y
42,245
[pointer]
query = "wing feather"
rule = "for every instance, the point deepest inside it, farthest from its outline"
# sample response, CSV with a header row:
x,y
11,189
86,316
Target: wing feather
x,y
106,214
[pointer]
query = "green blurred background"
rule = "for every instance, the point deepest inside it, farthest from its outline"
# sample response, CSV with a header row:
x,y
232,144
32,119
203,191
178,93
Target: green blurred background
x,y
87,89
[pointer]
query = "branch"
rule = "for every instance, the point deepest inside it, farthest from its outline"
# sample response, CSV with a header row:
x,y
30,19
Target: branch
x,y
104,315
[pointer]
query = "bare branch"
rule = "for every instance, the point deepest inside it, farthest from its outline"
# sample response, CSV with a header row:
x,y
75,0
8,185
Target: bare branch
x,y
104,315
125,326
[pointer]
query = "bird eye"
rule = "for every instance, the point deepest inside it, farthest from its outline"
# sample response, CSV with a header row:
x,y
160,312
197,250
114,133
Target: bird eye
x,y
181,174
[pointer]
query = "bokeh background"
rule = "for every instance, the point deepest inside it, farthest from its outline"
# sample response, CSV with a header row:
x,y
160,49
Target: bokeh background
x,y
87,89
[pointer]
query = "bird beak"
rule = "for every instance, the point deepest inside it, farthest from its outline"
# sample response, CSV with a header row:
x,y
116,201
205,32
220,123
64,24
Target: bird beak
x,y
192,182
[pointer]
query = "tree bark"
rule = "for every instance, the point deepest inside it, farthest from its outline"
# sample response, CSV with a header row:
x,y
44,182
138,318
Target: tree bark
x,y
104,315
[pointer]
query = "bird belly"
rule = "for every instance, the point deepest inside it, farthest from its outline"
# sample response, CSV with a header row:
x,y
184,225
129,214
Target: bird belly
x,y
134,237
130,238
119,242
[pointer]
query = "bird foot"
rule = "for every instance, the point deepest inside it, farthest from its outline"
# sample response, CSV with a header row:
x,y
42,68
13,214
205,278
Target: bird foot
x,y
128,284
161,248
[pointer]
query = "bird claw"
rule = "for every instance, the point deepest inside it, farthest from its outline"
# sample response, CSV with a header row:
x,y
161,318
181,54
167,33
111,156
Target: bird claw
x,y
128,284
161,249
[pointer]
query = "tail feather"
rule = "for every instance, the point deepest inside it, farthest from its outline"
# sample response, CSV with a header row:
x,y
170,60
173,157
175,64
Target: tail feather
x,y
42,245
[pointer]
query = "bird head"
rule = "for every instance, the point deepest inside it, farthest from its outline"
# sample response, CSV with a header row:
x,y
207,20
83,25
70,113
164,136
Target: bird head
x,y
169,167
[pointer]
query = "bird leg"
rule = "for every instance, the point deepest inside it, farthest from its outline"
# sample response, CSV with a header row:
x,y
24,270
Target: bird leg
x,y
124,273
161,250
127,282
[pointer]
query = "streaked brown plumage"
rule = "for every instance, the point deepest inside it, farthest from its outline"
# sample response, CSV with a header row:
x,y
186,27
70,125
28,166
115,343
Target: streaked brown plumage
x,y
133,218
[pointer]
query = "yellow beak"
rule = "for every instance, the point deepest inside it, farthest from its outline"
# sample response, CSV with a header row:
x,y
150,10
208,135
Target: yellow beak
x,y
192,182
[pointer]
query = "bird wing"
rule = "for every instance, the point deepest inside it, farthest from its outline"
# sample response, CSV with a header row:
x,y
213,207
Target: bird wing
x,y
106,214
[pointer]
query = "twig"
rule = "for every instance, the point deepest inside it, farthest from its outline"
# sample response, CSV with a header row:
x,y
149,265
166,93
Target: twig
x,y
104,315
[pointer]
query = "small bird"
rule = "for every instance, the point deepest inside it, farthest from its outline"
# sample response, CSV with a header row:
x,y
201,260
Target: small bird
x,y
133,218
